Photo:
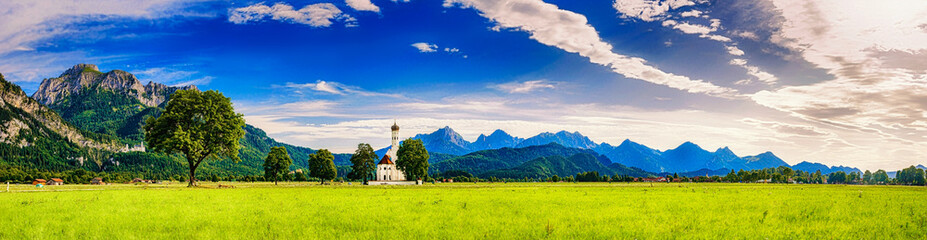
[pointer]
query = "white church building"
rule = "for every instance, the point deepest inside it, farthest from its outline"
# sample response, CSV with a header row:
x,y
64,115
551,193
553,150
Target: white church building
x,y
387,172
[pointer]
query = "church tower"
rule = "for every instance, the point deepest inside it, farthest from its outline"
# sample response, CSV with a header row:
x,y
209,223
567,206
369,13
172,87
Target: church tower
x,y
394,148
386,168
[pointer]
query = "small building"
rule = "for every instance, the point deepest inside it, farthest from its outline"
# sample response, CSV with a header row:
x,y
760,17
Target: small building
x,y
387,173
38,181
657,179
139,180
97,181
55,182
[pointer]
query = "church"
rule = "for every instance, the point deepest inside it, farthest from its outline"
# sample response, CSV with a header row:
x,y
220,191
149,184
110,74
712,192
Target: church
x,y
386,168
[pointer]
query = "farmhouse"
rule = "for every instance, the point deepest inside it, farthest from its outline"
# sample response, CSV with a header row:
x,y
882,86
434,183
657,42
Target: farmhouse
x,y
56,181
38,181
657,179
139,180
97,181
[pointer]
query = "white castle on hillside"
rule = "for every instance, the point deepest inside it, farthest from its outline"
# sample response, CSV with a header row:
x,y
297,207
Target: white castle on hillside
x,y
137,148
386,168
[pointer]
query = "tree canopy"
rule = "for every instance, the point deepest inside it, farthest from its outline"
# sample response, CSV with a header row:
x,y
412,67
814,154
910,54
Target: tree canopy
x,y
413,159
911,176
277,163
200,125
363,161
322,165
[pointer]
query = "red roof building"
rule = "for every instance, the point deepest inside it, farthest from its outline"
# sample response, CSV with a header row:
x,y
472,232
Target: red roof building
x,y
56,181
386,160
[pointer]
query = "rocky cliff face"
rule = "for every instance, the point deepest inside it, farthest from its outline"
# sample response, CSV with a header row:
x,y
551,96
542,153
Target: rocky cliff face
x,y
20,114
89,77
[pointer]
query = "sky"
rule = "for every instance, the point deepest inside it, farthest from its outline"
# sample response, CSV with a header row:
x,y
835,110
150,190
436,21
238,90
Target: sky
x,y
840,82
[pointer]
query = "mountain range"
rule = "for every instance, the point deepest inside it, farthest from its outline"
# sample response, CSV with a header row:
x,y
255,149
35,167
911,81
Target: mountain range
x,y
687,157
84,110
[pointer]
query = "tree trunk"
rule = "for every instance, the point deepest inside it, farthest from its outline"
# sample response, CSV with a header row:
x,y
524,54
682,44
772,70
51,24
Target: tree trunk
x,y
192,177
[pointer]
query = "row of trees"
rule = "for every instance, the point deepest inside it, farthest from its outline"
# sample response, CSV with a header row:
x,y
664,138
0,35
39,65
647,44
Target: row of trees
x,y
413,161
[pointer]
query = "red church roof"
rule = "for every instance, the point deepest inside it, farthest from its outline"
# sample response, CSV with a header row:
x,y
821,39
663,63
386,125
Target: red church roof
x,y
386,160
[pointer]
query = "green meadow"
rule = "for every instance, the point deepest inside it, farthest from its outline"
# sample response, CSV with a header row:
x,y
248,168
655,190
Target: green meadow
x,y
465,211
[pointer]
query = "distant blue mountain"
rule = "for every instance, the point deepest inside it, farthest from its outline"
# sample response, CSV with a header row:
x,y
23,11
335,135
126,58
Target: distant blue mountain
x,y
814,167
445,140
687,157
567,139
764,160
633,154
498,139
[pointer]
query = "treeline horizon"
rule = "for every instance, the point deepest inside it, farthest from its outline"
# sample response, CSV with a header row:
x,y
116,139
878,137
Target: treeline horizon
x,y
908,176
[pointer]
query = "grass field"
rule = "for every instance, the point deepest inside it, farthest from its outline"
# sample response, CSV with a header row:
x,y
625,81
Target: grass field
x,y
467,211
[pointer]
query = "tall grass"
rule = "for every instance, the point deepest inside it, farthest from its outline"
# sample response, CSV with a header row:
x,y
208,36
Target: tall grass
x,y
468,211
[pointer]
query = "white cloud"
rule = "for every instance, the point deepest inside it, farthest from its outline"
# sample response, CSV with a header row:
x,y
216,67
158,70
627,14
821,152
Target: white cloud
x,y
321,86
747,35
362,5
733,50
867,93
549,25
702,30
650,10
336,88
316,15
706,32
754,71
23,24
525,87
425,47
691,13
692,28
788,129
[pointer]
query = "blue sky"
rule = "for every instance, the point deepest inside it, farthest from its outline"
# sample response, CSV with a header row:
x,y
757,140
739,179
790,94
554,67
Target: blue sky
x,y
822,82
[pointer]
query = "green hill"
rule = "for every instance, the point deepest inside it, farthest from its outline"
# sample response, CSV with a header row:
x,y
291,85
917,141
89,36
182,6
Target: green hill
x,y
483,161
91,118
544,167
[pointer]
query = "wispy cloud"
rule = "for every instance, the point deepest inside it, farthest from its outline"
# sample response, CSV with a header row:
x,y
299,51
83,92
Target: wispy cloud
x,y
866,94
550,25
336,88
172,77
315,15
657,10
425,47
525,87
23,23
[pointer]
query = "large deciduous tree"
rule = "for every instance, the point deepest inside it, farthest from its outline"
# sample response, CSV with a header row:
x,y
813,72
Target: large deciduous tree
x,y
322,165
413,159
277,163
363,161
200,125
